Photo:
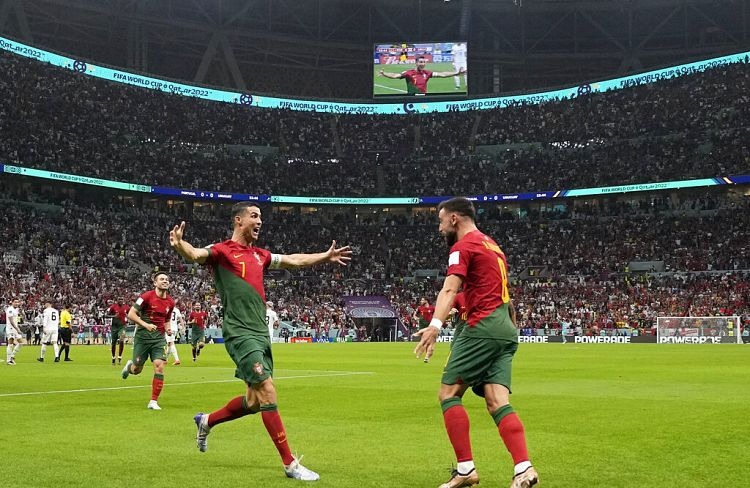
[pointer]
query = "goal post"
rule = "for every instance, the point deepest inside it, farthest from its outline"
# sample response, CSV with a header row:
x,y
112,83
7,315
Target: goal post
x,y
698,330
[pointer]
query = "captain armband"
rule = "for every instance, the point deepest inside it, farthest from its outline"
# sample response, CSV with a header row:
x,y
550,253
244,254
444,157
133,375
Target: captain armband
x,y
275,261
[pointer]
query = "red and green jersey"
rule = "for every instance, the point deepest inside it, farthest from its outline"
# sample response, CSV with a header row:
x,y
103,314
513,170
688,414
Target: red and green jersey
x,y
118,313
482,265
198,319
416,80
238,271
155,310
424,314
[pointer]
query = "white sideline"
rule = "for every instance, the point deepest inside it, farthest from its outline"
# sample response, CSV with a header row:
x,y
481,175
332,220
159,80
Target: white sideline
x,y
85,390
390,88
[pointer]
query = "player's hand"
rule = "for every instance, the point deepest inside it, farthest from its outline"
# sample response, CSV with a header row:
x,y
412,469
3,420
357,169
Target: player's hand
x,y
382,73
150,327
426,346
341,255
175,235
461,70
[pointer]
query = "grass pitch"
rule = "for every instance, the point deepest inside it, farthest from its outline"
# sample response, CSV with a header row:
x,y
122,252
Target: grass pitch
x,y
435,86
366,415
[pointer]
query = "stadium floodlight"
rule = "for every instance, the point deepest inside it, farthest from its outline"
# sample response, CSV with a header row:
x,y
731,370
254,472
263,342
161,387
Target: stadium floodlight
x,y
698,330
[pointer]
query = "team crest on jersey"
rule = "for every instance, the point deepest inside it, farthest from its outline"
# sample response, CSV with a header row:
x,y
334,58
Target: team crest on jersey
x,y
258,369
257,258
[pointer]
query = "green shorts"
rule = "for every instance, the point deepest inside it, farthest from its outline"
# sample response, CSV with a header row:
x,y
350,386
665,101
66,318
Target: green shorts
x,y
118,334
476,361
252,355
197,336
143,350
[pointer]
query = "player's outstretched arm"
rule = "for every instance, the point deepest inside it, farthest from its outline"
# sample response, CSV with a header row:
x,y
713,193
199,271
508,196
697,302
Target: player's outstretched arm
x,y
445,299
183,248
393,76
448,74
336,255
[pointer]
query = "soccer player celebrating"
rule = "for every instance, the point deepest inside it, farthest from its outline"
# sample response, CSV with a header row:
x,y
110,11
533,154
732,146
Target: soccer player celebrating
x,y
12,332
50,323
416,79
151,313
197,319
238,268
482,354
423,315
117,313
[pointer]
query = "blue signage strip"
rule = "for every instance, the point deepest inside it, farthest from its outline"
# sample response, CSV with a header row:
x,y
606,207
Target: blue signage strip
x,y
319,200
209,194
407,107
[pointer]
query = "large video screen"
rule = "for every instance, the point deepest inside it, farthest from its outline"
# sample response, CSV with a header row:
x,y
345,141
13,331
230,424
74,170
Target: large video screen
x,y
419,69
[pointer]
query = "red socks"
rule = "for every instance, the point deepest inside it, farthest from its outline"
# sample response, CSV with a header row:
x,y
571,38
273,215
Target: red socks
x,y
275,428
511,430
156,385
236,408
457,424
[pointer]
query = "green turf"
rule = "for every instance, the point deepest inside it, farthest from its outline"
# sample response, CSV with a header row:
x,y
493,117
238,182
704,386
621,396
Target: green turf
x,y
595,415
387,86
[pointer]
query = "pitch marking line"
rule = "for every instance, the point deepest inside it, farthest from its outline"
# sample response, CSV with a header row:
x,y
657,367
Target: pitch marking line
x,y
390,88
86,390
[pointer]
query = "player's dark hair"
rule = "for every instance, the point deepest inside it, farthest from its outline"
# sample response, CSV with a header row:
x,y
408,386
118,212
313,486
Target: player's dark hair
x,y
240,207
156,274
421,57
460,205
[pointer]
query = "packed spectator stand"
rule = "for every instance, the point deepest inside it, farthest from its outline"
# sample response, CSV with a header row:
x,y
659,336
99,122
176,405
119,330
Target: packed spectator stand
x,y
77,250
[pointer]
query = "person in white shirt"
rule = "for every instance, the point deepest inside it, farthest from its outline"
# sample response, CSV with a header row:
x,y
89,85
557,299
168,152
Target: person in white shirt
x,y
12,332
459,62
272,319
50,324
176,323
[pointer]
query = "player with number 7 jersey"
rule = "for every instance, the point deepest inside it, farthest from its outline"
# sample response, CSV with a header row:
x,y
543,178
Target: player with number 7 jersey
x,y
238,267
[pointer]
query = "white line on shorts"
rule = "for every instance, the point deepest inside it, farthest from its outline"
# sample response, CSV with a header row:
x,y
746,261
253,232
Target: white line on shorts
x,y
86,390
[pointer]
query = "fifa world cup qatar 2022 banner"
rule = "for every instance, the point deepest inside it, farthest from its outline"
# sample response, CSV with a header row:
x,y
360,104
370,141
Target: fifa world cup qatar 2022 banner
x,y
369,307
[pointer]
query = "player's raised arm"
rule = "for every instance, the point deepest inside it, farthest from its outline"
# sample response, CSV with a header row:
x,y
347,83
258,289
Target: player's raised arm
x,y
393,76
183,248
448,74
337,255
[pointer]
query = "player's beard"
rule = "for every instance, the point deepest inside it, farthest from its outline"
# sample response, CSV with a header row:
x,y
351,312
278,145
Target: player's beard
x,y
451,237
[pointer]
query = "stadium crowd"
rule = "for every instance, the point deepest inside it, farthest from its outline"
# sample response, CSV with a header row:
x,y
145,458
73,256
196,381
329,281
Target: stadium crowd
x,y
85,251
689,127
86,255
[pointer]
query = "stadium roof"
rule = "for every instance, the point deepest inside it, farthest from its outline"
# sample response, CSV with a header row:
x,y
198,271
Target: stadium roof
x,y
323,48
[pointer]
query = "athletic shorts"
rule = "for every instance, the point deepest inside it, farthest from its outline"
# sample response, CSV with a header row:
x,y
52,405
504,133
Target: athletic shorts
x,y
252,355
198,336
118,334
49,337
66,334
10,333
476,361
151,349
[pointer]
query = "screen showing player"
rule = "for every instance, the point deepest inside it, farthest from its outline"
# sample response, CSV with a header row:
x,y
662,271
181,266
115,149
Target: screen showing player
x,y
419,69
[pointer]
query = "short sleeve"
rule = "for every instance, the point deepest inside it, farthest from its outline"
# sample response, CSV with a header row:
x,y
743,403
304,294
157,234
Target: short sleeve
x,y
458,262
141,303
213,253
